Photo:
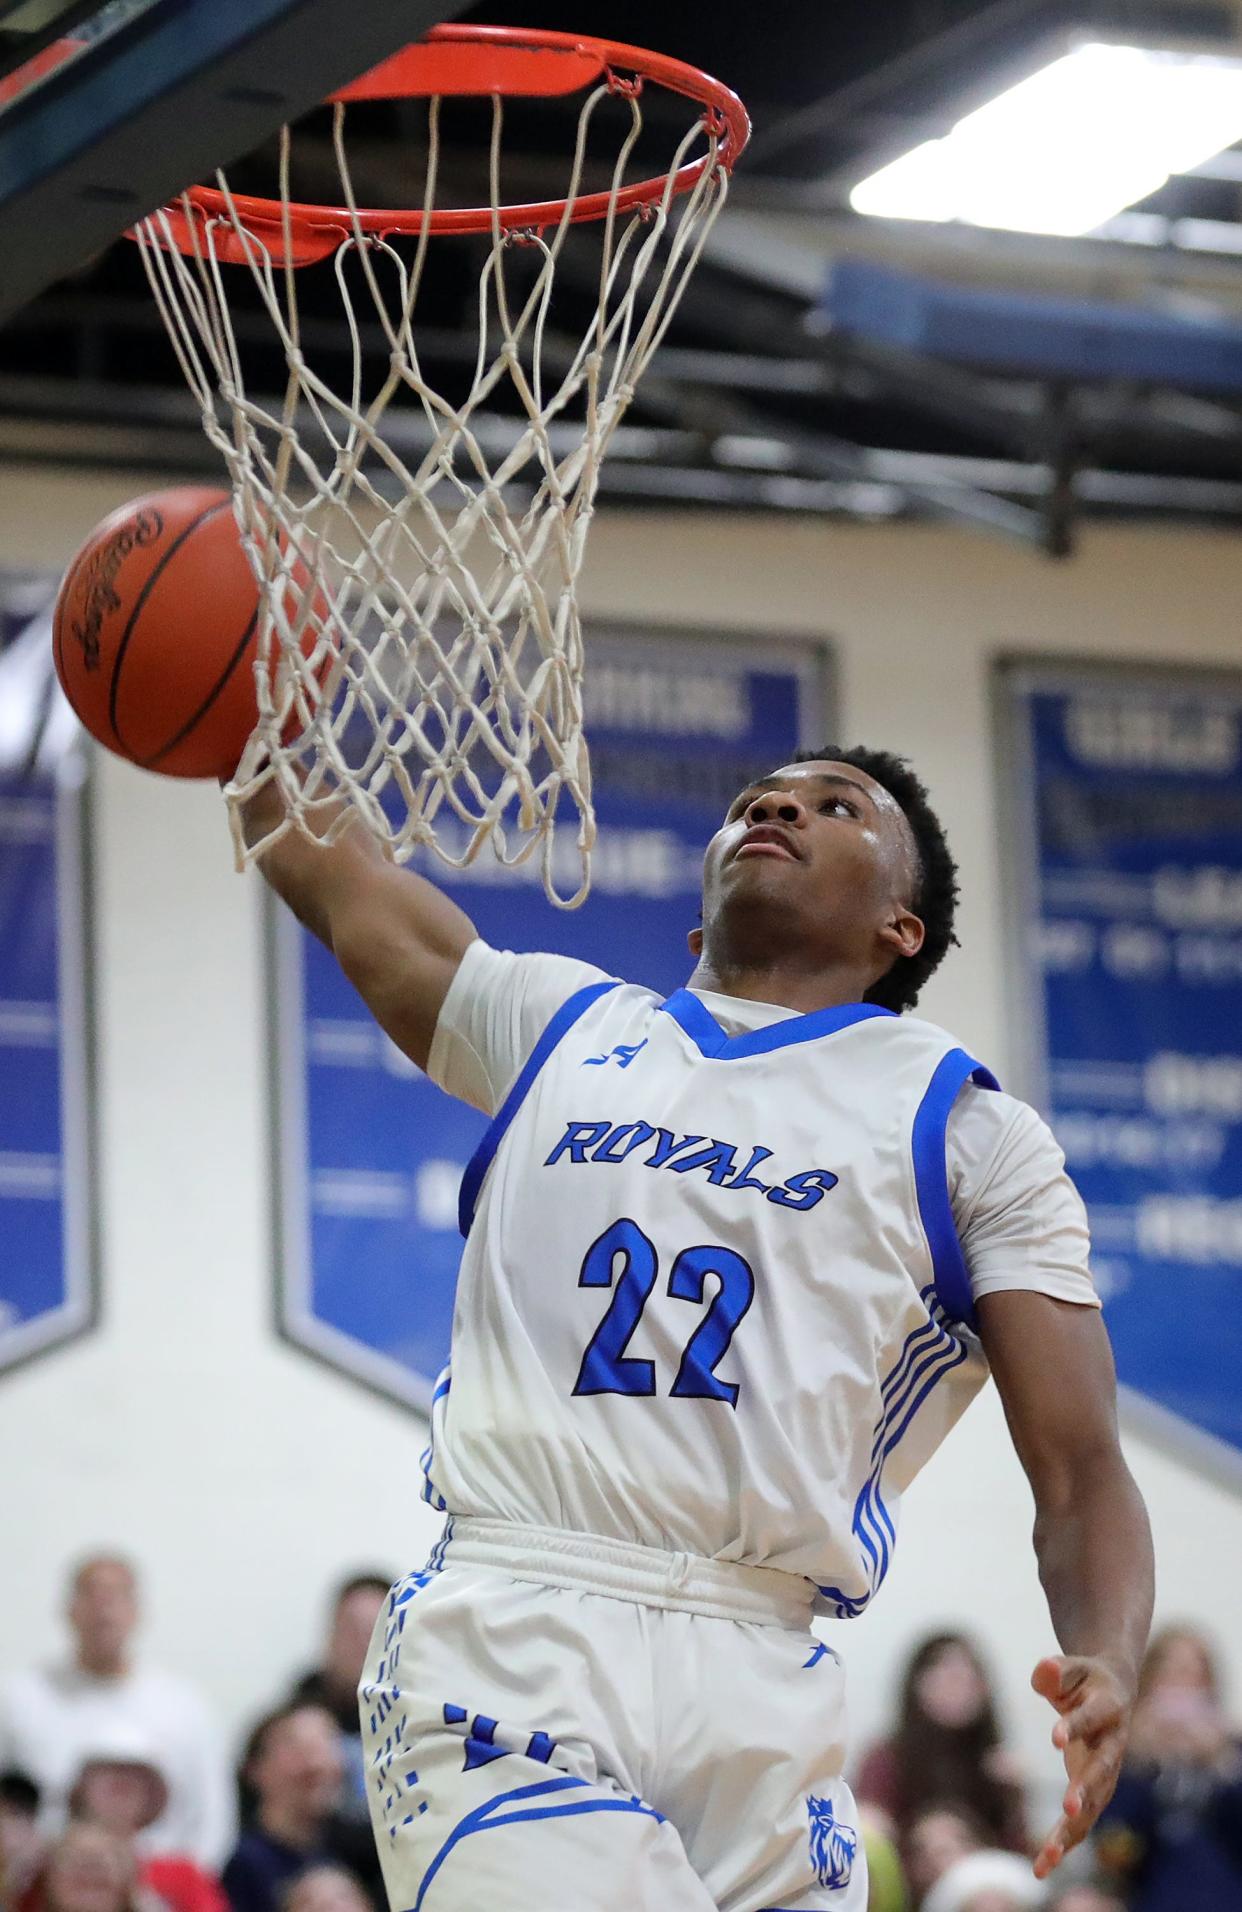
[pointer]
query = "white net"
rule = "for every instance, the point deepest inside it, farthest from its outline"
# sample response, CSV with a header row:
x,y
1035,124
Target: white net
x,y
421,650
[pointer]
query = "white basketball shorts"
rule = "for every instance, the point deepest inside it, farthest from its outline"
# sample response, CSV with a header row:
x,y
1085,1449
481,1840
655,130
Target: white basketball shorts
x,y
559,1723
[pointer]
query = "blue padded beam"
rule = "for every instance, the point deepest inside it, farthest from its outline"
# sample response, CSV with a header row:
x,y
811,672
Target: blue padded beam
x,y
1040,337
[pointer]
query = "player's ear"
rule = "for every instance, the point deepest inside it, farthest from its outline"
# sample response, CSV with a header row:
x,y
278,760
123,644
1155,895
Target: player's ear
x,y
903,933
694,942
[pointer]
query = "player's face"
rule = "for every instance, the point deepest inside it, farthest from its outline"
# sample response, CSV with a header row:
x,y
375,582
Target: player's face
x,y
819,851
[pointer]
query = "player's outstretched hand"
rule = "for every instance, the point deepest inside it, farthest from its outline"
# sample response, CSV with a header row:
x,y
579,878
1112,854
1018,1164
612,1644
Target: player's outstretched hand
x,y
1094,1705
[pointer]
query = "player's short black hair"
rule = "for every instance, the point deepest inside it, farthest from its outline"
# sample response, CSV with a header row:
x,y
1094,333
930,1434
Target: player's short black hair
x,y
935,891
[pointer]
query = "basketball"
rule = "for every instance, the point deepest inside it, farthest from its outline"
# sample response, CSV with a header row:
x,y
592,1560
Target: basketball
x,y
155,633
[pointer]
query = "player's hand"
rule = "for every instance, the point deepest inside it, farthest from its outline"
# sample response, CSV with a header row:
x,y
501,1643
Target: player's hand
x,y
1094,1703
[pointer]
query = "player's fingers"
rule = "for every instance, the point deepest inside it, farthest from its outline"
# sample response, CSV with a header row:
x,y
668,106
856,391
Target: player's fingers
x,y
1070,1831
1053,1849
1046,1679
1058,1678
1091,1787
1091,1711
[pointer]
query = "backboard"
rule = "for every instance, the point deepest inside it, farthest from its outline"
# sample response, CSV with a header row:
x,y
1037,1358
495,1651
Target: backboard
x,y
108,110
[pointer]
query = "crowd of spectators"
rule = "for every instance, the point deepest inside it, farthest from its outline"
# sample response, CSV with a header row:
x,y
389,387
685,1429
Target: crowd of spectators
x,y
944,1810
116,1794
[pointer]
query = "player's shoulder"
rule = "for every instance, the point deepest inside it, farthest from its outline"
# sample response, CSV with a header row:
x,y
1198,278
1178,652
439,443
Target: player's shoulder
x,y
996,1141
922,1029
997,1114
985,1118
484,965
543,975
988,1109
915,1035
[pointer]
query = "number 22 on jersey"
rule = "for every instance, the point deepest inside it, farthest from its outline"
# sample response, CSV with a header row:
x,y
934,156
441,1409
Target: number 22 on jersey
x,y
607,1368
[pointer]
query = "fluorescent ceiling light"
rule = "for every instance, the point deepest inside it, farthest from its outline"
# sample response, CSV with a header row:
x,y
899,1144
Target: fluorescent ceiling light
x,y
1065,150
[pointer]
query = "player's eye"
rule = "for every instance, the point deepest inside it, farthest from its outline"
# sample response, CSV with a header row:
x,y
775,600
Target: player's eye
x,y
840,803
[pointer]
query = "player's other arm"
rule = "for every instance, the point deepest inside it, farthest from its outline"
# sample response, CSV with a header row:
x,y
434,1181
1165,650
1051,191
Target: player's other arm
x,y
1054,1369
397,937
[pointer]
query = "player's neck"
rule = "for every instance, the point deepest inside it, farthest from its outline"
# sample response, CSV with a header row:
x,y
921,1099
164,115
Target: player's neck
x,y
783,983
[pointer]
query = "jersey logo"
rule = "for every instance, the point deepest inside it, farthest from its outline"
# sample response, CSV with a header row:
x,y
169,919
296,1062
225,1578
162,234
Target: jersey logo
x,y
834,1845
725,1164
622,1055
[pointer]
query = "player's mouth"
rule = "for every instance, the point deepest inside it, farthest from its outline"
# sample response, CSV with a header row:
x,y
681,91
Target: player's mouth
x,y
764,839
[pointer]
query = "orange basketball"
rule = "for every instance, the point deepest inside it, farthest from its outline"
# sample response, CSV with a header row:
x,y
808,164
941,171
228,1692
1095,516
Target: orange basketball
x,y
155,633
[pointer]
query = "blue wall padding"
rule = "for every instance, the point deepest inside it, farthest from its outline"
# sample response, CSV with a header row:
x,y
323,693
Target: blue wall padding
x,y
1028,333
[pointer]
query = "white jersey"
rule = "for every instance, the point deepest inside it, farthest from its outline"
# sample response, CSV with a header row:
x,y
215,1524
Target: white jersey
x,y
713,1298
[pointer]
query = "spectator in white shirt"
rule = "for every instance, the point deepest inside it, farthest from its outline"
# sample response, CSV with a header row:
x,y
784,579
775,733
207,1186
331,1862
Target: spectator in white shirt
x,y
52,1717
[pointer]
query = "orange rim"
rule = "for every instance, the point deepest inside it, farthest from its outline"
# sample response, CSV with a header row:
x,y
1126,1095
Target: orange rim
x,y
477,61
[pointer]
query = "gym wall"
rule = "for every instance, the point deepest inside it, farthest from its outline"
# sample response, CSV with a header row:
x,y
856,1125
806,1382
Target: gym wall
x,y
245,1477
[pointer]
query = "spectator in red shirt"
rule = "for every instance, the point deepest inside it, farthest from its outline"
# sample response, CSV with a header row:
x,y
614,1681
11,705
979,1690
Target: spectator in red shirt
x,y
90,1869
120,1786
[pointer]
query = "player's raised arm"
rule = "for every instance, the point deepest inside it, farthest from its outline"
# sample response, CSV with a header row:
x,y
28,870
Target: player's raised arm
x,y
396,936
1054,1370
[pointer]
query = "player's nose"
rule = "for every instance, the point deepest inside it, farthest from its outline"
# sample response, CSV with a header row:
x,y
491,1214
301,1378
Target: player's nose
x,y
777,806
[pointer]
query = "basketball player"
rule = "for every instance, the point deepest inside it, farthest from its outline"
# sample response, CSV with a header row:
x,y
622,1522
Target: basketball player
x,y
734,1263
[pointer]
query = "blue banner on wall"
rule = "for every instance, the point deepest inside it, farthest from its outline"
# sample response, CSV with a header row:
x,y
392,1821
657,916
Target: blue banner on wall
x,y
46,1285
1129,837
370,1153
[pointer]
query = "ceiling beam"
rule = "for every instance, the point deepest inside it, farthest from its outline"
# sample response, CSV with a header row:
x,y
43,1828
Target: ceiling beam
x,y
66,422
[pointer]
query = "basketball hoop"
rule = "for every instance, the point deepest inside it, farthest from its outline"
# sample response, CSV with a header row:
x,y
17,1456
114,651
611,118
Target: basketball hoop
x,y
441,693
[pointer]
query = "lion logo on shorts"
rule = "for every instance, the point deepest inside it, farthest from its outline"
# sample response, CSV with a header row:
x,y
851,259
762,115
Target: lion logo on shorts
x,y
833,1845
